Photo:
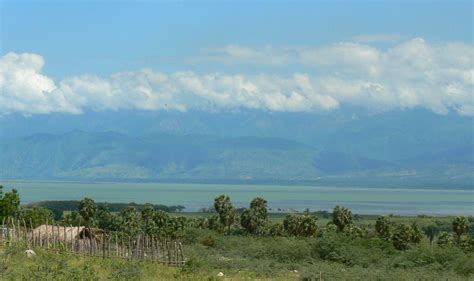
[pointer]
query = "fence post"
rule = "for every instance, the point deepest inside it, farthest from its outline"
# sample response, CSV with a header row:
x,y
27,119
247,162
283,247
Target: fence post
x,y
53,240
65,237
169,251
19,236
25,232
129,253
181,253
13,226
116,245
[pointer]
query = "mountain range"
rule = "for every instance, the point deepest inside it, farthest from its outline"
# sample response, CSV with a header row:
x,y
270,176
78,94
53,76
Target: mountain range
x,y
405,148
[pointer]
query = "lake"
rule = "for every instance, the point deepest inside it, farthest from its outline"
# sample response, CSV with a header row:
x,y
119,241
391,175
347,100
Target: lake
x,y
408,201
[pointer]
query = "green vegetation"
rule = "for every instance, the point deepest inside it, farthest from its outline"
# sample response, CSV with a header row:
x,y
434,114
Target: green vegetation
x,y
9,203
253,244
59,207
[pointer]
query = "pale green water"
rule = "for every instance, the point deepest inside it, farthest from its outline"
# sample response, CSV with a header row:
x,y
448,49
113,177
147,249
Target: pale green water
x,y
195,196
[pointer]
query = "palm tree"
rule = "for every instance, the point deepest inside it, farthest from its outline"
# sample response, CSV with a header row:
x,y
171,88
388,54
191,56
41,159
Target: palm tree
x,y
130,221
225,210
341,217
87,210
431,231
460,226
255,218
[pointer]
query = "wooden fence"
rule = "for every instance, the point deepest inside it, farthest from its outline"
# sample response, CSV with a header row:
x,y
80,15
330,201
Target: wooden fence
x,y
83,241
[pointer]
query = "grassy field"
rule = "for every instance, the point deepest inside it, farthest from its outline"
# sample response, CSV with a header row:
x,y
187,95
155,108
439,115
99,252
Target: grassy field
x,y
243,257
48,265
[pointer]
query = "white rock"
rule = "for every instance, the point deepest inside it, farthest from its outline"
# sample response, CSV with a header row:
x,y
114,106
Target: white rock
x,y
30,253
220,274
295,271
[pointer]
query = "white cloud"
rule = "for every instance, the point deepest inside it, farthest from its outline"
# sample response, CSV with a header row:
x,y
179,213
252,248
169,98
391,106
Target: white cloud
x,y
24,89
411,74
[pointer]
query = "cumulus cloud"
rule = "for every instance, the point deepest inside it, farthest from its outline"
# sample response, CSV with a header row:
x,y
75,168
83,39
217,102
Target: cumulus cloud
x,y
24,89
411,74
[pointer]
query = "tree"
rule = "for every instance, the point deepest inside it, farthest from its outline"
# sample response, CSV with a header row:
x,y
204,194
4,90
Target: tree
x,y
130,221
87,209
383,228
148,219
9,203
460,226
431,231
106,220
225,210
341,217
253,220
175,227
35,216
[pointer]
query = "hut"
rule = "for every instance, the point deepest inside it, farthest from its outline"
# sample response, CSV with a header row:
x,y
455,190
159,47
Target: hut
x,y
68,233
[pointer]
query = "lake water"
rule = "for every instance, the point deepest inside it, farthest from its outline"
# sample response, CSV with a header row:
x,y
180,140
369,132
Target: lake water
x,y
195,196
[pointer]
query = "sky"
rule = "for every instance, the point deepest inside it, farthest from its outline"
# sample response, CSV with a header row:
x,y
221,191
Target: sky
x,y
70,57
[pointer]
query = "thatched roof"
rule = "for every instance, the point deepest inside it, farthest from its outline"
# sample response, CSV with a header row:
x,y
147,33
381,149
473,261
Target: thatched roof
x,y
67,232
63,232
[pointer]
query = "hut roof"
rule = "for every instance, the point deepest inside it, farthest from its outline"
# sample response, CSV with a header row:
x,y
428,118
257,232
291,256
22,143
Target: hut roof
x,y
68,232
62,232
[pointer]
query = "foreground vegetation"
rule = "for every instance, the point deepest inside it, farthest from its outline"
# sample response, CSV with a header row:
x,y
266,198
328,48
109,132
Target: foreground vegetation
x,y
252,244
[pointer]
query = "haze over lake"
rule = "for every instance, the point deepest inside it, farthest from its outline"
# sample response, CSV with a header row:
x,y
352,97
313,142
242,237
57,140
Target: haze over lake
x,y
404,201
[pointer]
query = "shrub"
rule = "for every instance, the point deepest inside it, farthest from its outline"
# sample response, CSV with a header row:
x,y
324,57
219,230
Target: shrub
x,y
445,238
275,229
353,231
208,241
301,225
383,228
404,234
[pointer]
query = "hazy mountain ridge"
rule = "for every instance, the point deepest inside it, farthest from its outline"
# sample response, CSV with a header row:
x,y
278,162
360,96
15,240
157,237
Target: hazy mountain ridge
x,y
81,155
345,147
111,155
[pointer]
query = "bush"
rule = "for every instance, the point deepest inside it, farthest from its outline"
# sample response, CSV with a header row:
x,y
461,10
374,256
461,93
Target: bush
x,y
276,229
383,228
192,265
445,238
301,225
209,241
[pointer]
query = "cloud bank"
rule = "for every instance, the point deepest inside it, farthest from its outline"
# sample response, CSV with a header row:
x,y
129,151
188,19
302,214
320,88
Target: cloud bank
x,y
410,74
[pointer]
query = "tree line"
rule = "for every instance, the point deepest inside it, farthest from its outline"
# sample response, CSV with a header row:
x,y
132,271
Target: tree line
x,y
153,220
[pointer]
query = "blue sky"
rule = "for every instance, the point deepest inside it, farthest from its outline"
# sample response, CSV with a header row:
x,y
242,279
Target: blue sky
x,y
70,57
103,37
